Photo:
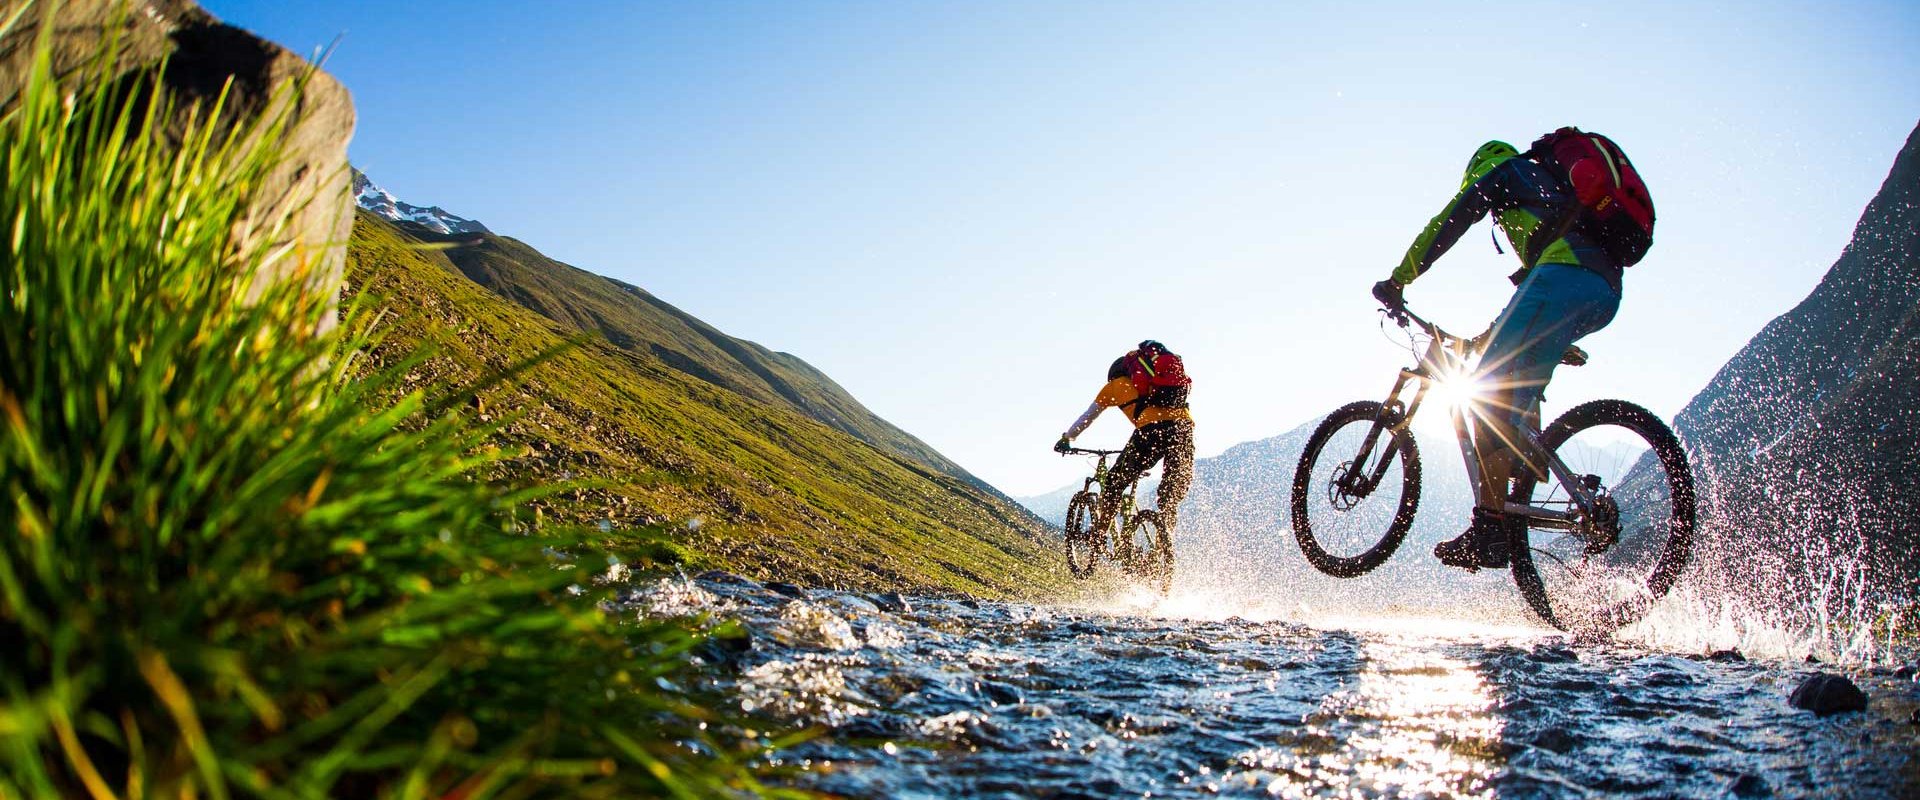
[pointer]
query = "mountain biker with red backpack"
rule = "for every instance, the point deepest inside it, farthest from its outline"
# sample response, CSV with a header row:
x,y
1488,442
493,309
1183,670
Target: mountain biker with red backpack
x,y
1577,214
1149,385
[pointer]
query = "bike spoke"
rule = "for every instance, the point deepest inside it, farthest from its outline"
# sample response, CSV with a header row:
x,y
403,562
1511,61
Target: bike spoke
x,y
1354,493
1625,547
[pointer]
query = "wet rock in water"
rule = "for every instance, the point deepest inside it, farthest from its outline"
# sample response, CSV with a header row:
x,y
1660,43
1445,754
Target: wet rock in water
x,y
1552,654
724,649
854,602
1906,671
1813,659
970,603
678,597
1826,693
1749,785
1001,694
1556,739
1727,657
725,578
894,602
803,624
1914,717
788,589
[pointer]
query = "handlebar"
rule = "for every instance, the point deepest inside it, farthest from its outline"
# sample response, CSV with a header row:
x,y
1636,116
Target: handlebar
x,y
1404,315
1076,451
1573,357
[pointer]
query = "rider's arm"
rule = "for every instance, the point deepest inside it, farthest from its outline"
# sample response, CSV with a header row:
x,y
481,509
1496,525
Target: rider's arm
x,y
1080,425
1118,391
1467,207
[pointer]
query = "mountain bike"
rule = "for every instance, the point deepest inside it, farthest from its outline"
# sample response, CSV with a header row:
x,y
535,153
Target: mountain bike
x,y
1134,539
1608,502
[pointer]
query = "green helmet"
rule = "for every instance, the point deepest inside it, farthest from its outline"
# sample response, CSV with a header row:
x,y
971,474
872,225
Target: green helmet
x,y
1485,159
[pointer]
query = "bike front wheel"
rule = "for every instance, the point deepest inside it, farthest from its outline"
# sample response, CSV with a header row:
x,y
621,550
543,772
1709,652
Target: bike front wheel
x,y
1355,491
1150,551
1604,568
1081,543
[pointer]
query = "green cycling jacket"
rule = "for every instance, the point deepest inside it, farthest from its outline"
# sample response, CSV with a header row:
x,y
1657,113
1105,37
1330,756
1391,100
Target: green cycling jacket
x,y
1519,194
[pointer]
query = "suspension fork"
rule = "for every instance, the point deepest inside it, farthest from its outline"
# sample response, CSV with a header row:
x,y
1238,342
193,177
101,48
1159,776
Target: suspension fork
x,y
1391,407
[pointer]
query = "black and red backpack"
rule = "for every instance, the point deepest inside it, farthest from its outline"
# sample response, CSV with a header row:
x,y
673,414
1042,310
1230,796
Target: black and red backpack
x,y
1612,204
1159,375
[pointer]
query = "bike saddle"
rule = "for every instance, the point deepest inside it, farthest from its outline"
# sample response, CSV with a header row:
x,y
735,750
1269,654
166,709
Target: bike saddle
x,y
1574,356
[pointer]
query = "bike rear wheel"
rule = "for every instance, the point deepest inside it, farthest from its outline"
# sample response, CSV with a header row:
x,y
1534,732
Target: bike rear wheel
x,y
1081,543
1348,521
1150,555
1606,570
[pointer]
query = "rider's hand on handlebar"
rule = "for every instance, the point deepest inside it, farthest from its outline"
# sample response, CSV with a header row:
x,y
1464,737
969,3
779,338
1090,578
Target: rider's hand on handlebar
x,y
1388,293
1063,445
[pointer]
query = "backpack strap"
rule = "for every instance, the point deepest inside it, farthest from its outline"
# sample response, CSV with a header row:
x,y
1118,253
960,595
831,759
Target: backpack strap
x,y
1537,244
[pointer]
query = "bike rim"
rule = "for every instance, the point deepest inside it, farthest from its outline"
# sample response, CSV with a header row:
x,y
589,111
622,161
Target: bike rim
x,y
1596,576
1353,529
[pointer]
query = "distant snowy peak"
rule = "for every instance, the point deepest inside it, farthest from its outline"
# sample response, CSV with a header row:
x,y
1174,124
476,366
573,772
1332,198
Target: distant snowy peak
x,y
434,218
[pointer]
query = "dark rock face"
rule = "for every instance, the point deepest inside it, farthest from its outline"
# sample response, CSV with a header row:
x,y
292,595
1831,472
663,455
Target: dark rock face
x,y
1806,445
202,56
1825,693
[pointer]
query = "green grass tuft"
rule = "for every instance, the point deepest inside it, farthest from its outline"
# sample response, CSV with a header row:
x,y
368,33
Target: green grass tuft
x,y
232,566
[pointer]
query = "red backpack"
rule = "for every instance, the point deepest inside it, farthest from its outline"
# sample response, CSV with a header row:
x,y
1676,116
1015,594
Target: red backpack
x,y
1159,376
1613,207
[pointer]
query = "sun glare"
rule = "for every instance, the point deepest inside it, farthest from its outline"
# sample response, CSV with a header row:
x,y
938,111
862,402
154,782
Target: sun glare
x,y
1462,390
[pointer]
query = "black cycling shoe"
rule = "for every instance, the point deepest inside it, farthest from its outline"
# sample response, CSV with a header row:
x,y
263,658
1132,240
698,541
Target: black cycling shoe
x,y
1482,546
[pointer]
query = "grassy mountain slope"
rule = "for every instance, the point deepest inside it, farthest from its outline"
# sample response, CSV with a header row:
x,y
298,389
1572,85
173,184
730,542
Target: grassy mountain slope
x,y
633,319
751,483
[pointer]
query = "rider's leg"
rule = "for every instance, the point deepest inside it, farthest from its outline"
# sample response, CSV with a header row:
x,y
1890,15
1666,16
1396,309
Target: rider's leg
x,y
1177,472
1556,306
1136,458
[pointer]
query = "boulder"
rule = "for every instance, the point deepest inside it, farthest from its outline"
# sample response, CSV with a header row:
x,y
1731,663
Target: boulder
x,y
1826,693
893,601
202,55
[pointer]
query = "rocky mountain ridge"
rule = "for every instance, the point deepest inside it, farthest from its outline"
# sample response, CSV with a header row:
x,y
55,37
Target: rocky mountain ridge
x,y
1806,445
383,204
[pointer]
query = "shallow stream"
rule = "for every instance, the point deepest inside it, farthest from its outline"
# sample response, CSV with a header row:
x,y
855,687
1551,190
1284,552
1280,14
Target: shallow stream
x,y
1130,696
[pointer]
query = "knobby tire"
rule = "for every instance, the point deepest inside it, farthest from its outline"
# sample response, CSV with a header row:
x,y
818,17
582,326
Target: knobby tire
x,y
1675,551
1080,541
1151,551
1365,413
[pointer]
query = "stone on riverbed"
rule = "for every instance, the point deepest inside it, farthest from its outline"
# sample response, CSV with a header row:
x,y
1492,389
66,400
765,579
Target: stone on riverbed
x,y
892,601
725,578
1826,693
1750,785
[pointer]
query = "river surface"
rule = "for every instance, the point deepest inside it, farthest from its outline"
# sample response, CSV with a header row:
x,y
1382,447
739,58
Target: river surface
x,y
1131,696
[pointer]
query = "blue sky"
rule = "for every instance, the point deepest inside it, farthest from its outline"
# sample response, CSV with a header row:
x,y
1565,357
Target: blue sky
x,y
963,211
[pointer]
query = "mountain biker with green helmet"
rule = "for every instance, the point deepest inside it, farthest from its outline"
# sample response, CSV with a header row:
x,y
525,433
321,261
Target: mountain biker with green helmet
x,y
1568,287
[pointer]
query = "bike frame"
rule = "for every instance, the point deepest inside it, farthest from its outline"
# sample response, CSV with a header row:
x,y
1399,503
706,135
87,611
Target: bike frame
x,y
1099,480
1448,357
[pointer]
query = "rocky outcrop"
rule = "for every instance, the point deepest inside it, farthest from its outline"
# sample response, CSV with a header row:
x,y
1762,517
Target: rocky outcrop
x,y
202,56
1806,445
